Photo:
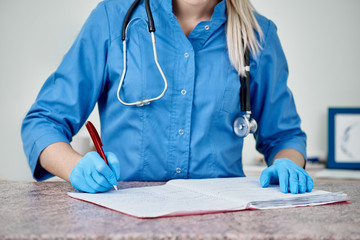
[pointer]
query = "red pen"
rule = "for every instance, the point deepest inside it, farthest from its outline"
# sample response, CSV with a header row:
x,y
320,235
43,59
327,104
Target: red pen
x,y
97,142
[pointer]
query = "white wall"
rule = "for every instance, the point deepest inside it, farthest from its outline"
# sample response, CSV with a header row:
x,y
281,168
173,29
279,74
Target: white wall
x,y
320,39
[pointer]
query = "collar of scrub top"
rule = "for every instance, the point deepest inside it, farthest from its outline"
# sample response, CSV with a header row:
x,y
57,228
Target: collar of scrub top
x,y
151,28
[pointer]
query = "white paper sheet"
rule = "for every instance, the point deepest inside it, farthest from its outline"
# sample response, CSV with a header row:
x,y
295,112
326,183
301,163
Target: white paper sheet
x,y
199,196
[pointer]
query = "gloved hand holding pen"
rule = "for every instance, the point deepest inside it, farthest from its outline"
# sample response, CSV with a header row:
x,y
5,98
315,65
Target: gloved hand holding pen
x,y
92,174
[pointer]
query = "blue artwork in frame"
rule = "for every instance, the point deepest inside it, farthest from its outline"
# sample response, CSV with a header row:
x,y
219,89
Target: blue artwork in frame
x,y
344,138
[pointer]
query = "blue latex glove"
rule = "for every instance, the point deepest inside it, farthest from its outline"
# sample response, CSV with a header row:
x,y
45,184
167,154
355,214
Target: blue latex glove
x,y
92,174
288,175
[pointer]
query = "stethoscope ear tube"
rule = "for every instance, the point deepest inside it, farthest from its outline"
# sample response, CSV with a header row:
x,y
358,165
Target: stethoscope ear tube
x,y
132,8
127,18
150,17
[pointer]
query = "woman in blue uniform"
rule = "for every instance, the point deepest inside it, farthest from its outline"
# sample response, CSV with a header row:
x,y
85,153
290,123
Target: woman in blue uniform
x,y
194,78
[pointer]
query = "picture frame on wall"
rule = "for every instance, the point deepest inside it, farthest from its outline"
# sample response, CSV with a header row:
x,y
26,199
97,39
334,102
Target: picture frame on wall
x,y
344,138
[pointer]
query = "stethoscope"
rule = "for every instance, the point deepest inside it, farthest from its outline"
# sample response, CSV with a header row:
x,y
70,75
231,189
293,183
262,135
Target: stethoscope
x,y
243,125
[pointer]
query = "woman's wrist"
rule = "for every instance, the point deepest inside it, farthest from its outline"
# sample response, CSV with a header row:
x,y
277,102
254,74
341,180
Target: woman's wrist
x,y
292,155
59,159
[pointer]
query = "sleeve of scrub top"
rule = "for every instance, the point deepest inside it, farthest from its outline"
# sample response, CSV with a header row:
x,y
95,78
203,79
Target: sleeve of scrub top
x,y
69,95
272,102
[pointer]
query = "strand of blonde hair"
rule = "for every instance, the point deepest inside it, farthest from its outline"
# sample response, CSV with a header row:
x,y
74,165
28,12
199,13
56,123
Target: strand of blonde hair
x,y
241,32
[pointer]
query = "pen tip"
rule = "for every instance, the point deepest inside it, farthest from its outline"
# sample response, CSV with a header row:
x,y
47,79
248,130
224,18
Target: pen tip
x,y
116,188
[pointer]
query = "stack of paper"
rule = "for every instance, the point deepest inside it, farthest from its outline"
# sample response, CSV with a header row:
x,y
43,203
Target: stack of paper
x,y
200,196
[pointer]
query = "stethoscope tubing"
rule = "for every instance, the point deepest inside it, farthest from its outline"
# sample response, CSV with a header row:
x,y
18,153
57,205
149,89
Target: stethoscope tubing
x,y
145,101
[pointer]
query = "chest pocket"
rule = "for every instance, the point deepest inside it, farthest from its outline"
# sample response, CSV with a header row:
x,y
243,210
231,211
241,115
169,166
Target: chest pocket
x,y
231,95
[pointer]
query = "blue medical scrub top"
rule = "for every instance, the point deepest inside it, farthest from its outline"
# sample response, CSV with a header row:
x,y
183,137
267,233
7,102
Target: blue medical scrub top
x,y
189,132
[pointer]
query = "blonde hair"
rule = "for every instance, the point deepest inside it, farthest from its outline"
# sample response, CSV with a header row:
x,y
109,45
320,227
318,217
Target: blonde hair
x,y
241,32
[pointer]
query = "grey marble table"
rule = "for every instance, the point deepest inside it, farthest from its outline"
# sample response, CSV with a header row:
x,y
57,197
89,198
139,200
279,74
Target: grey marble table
x,y
30,210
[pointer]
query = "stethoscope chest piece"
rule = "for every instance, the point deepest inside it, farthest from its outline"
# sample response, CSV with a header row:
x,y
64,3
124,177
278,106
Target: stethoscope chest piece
x,y
243,126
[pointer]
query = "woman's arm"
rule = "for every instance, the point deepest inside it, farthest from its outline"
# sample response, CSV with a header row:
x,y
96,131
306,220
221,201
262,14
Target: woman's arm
x,y
87,173
279,136
59,159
